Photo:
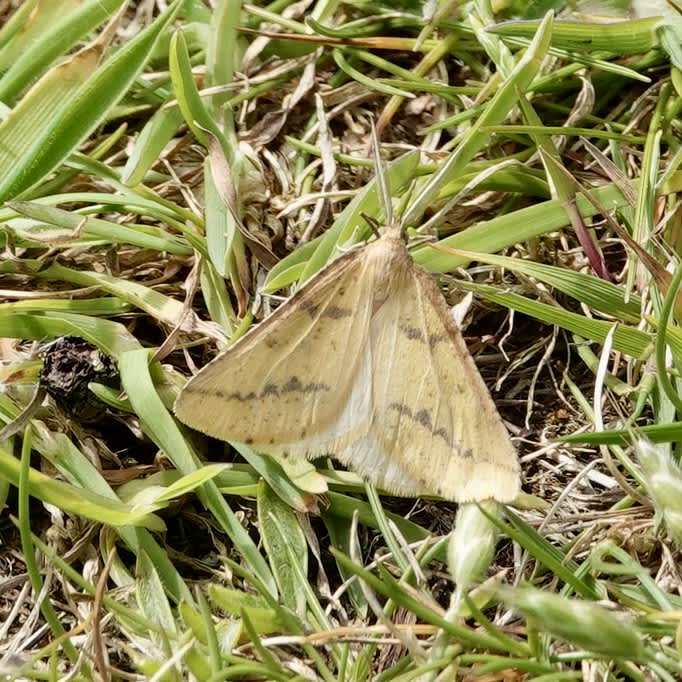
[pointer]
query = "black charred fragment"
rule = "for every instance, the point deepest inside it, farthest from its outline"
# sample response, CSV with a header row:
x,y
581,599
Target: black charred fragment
x,y
69,365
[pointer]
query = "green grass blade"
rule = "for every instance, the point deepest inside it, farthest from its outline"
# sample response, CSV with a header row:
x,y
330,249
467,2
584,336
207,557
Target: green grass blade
x,y
36,150
79,501
162,428
51,33
594,292
498,108
632,342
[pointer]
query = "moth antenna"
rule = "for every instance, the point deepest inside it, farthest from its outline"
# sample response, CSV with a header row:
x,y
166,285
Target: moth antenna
x,y
373,224
382,184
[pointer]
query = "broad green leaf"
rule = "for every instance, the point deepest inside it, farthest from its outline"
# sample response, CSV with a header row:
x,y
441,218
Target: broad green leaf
x,y
531,221
290,269
104,306
112,337
280,479
656,433
618,37
279,528
150,143
152,599
264,618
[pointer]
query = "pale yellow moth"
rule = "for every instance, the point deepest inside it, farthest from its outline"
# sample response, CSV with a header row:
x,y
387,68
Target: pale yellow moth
x,y
364,364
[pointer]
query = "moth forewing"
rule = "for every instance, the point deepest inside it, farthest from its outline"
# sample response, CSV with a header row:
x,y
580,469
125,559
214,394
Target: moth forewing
x,y
292,374
433,420
487,465
364,364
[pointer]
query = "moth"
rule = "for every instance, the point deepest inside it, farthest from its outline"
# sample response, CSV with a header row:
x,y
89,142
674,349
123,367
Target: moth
x,y
364,364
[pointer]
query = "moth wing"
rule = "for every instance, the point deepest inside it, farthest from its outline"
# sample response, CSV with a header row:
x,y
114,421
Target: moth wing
x,y
299,373
434,425
351,423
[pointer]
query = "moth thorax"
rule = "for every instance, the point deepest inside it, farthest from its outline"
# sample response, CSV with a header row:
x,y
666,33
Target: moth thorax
x,y
390,265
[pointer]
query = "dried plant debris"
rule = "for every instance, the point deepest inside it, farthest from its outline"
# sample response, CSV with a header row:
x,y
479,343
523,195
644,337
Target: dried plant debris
x,y
70,364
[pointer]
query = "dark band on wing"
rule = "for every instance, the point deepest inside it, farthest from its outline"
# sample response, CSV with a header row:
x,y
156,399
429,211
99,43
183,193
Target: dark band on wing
x,y
423,418
333,312
271,390
416,334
